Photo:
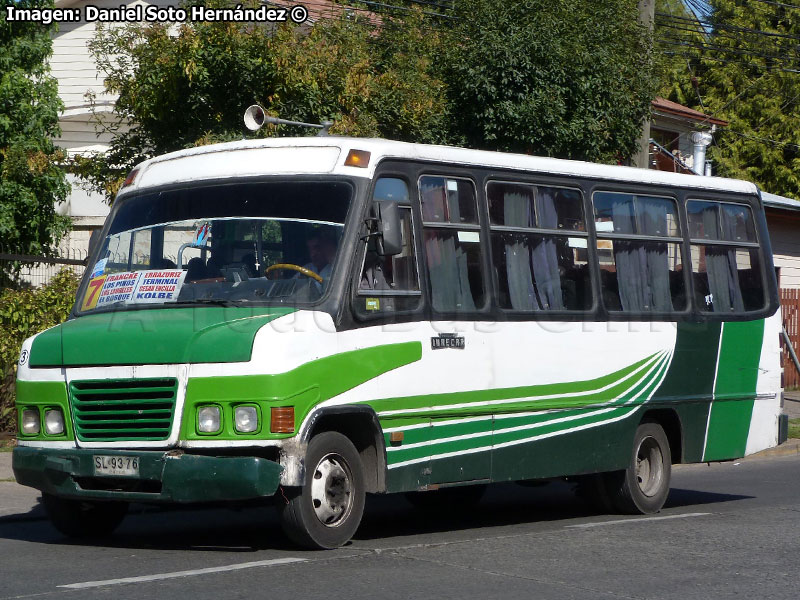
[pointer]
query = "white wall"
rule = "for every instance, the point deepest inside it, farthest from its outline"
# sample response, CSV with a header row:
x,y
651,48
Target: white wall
x,y
77,73
784,233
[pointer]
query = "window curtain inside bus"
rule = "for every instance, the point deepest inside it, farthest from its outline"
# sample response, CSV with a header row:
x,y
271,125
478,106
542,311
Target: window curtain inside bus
x,y
545,257
517,213
530,259
447,266
447,261
642,267
721,267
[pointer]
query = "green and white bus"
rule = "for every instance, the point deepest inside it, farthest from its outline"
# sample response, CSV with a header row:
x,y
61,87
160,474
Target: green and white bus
x,y
314,319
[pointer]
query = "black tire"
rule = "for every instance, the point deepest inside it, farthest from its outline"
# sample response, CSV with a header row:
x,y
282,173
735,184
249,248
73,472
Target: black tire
x,y
451,499
82,518
326,510
643,487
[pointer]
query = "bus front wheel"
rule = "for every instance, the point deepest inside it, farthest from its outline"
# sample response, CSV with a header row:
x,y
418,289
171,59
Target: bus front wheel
x,y
326,510
80,518
643,487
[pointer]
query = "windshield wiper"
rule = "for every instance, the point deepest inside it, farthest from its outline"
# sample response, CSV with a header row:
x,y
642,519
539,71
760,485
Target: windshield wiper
x,y
212,301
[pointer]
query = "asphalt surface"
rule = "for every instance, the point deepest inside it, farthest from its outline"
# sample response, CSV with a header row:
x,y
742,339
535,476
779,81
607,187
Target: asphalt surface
x,y
729,530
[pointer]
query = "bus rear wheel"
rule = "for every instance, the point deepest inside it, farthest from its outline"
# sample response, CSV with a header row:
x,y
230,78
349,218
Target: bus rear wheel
x,y
643,487
326,510
84,519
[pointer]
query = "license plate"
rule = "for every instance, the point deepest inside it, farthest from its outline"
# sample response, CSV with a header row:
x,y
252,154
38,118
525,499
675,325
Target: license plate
x,y
124,466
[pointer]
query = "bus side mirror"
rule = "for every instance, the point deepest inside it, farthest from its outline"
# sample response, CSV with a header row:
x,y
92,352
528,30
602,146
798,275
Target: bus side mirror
x,y
390,238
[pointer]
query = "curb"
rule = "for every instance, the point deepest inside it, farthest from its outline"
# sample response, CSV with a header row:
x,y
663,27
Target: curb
x,y
788,448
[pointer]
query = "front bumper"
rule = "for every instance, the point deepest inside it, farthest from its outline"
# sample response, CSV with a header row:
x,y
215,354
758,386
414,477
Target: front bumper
x,y
164,476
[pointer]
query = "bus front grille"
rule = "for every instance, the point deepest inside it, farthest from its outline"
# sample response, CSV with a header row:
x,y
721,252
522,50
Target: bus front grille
x,y
111,410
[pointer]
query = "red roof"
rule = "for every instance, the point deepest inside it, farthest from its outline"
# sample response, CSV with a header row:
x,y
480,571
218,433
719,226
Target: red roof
x,y
678,110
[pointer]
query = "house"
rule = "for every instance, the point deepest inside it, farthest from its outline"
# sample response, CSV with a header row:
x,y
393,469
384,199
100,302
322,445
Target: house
x,y
79,77
677,133
81,128
783,221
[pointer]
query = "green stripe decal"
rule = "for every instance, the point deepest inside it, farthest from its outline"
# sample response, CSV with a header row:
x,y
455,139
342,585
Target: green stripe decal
x,y
548,396
734,390
471,434
303,387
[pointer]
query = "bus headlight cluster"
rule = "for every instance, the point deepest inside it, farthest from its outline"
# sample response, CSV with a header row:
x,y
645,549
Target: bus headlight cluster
x,y
245,419
31,422
53,422
209,419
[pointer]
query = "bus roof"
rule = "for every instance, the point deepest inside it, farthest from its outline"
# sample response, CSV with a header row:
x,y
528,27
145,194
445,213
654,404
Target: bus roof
x,y
327,155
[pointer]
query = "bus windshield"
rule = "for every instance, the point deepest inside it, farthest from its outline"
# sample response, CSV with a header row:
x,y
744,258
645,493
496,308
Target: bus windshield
x,y
234,243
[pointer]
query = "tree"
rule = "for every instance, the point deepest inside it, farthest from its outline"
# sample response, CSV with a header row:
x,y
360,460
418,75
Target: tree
x,y
31,180
552,77
745,68
177,91
544,77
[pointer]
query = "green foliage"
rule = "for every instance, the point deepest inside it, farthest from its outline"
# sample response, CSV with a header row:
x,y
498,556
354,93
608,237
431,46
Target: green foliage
x,y
546,77
31,182
752,81
22,314
191,88
552,77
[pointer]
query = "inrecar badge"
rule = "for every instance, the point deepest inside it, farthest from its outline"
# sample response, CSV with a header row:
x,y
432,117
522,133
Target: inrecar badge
x,y
447,340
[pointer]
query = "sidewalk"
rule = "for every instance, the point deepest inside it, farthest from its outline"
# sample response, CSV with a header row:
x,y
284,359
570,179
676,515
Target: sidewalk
x,y
791,404
17,503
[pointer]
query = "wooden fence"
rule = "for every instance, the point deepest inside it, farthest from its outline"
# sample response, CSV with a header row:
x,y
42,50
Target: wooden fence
x,y
790,307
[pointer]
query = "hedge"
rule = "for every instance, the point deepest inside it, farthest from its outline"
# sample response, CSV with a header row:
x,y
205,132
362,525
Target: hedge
x,y
22,314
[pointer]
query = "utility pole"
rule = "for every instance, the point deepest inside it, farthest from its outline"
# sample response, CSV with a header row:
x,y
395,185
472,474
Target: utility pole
x,y
647,13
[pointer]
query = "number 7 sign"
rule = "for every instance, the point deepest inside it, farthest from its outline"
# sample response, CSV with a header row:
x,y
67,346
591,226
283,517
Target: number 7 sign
x,y
92,292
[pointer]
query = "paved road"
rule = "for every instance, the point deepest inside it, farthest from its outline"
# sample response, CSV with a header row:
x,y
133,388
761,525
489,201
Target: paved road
x,y
729,531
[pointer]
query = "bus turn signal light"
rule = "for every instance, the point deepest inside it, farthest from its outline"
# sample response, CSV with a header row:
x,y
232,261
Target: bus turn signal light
x,y
281,419
357,158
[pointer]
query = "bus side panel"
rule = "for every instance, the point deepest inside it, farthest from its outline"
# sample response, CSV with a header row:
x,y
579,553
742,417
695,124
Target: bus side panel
x,y
767,409
603,448
693,417
689,384
734,390
413,472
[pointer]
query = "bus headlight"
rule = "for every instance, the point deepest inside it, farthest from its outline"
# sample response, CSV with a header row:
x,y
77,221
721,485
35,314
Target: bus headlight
x,y
209,419
246,419
53,422
31,424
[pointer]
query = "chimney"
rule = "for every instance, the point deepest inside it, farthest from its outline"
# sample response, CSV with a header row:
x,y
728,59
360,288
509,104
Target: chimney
x,y
700,140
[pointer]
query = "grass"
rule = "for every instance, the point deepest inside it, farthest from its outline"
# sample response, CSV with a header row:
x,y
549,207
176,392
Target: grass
x,y
8,480
794,428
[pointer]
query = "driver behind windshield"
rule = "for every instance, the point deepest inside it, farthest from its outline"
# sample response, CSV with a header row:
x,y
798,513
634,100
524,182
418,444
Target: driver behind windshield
x,y
321,244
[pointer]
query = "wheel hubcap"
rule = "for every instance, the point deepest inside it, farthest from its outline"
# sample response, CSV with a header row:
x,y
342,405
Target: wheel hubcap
x,y
649,466
332,490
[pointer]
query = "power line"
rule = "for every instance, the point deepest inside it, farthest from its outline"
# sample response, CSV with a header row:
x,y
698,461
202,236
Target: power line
x,y
727,26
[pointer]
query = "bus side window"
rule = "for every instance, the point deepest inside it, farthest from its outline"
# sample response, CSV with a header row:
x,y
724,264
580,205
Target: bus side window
x,y
639,275
391,283
452,243
539,247
726,265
